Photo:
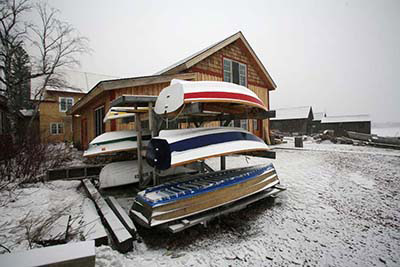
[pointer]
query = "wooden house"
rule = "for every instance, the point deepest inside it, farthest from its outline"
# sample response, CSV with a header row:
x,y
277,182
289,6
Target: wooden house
x,y
341,124
230,60
54,123
293,120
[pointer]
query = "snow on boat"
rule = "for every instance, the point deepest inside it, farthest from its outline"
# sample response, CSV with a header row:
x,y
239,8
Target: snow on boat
x,y
175,200
126,172
112,142
173,97
179,147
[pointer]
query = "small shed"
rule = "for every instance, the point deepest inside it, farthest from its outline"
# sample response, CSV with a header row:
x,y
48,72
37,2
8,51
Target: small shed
x,y
341,124
293,120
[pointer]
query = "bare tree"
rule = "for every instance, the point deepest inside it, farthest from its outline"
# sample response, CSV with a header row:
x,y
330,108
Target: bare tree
x,y
53,44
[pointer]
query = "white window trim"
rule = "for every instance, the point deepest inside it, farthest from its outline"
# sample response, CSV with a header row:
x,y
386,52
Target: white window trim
x,y
231,72
57,128
244,122
65,98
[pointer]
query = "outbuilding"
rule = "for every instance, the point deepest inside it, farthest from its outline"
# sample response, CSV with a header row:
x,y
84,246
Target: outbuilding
x,y
341,124
293,120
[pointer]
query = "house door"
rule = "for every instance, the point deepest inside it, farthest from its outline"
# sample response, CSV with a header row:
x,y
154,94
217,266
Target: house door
x,y
257,128
84,137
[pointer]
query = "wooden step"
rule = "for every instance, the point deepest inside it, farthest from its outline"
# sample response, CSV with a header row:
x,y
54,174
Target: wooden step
x,y
122,238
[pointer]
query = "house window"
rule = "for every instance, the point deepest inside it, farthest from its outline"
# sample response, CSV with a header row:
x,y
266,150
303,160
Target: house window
x,y
56,128
255,125
243,124
235,72
66,103
98,120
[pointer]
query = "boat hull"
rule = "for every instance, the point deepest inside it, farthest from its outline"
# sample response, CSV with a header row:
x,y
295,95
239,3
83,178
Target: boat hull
x,y
113,142
179,147
179,93
170,202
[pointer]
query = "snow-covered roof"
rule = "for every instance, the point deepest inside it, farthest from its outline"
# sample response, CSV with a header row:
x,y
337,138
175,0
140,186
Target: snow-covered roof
x,y
318,115
292,113
348,118
71,81
26,112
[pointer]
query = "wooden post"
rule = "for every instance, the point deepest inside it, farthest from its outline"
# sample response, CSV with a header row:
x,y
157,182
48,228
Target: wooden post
x,y
138,126
223,158
151,120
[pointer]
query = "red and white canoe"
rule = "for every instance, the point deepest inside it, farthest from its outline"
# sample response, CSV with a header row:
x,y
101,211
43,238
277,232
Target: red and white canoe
x,y
173,97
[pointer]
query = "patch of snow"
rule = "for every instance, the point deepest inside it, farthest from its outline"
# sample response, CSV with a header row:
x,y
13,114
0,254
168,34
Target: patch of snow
x,y
33,204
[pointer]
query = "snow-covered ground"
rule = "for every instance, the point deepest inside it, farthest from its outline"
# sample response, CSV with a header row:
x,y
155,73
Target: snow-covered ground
x,y
341,208
25,209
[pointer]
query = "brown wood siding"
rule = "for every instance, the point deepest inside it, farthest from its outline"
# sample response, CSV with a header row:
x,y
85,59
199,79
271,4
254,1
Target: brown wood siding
x,y
213,65
49,112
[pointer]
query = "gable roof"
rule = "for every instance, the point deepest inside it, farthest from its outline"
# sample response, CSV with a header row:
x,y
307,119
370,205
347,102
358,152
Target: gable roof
x,y
195,58
348,118
292,113
70,81
114,84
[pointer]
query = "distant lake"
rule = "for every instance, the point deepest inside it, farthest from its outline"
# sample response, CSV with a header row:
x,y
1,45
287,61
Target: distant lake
x,y
386,131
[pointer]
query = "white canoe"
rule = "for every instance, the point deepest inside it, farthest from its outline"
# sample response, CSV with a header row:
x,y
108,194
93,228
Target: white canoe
x,y
173,97
123,112
126,172
179,147
112,142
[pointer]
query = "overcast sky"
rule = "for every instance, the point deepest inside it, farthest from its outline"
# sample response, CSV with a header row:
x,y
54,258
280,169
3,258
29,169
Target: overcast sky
x,y
342,57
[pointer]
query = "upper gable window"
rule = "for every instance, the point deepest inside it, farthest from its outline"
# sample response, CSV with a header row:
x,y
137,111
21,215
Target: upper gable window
x,y
66,103
235,72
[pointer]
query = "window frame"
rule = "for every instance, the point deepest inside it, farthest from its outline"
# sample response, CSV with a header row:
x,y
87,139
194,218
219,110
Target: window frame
x,y
65,98
240,64
102,130
57,124
244,122
255,125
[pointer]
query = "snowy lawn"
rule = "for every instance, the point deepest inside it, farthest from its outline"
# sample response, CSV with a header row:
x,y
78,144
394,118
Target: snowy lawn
x,y
341,208
26,209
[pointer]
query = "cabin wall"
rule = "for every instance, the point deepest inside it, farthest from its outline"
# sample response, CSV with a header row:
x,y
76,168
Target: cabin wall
x,y
49,112
211,69
291,126
213,65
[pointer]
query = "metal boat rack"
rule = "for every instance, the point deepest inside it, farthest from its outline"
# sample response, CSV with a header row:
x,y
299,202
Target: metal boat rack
x,y
196,113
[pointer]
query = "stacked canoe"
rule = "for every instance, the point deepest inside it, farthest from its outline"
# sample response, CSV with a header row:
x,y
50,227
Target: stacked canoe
x,y
196,193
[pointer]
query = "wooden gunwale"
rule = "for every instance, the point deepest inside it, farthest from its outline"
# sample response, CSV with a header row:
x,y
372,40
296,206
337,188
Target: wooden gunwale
x,y
212,204
204,197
